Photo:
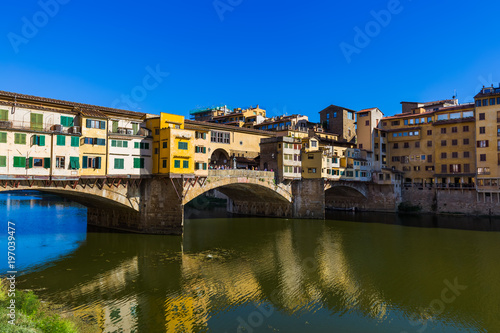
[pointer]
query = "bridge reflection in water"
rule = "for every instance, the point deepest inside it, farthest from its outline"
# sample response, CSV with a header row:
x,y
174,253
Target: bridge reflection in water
x,y
249,274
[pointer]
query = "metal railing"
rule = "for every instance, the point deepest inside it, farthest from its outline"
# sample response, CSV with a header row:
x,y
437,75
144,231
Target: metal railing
x,y
28,126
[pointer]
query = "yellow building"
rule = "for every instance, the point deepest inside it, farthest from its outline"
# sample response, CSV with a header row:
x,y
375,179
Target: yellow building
x,y
173,145
93,143
432,148
488,139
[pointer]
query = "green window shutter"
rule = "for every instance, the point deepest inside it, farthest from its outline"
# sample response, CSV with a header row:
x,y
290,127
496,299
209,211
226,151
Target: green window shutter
x,y
136,163
20,162
46,162
36,121
30,162
125,144
98,163
204,166
3,137
88,123
75,141
119,163
4,115
64,121
61,140
102,125
20,138
113,143
185,164
85,162
41,140
3,161
142,163
119,144
74,163
135,128
136,145
177,164
115,127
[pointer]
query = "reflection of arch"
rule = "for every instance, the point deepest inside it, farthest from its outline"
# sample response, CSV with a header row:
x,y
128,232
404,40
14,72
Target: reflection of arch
x,y
220,157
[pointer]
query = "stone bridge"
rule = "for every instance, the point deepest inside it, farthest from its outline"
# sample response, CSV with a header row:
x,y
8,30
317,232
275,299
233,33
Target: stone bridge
x,y
156,204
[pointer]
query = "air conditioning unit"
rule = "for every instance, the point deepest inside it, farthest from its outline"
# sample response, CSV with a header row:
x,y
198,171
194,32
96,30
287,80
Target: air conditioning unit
x,y
74,130
122,130
5,124
57,128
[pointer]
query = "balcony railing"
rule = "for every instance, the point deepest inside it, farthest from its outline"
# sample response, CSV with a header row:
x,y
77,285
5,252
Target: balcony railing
x,y
28,126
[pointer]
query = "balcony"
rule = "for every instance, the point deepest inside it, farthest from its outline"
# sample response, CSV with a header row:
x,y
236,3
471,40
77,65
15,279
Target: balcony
x,y
44,127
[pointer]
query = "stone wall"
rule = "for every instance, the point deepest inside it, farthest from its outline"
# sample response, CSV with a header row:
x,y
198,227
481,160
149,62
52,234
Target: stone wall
x,y
463,201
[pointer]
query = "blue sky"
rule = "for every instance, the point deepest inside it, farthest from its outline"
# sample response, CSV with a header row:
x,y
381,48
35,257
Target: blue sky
x,y
286,56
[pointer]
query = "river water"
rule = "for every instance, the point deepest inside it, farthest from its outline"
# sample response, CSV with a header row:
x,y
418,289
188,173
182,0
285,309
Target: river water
x,y
349,273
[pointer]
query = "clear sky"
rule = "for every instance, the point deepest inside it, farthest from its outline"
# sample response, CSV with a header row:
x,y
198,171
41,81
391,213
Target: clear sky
x,y
287,56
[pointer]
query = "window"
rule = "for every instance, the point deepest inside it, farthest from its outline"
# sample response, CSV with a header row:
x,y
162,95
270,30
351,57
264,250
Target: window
x,y
482,157
416,168
20,138
67,121
478,103
466,154
141,145
482,116
444,168
443,130
165,144
350,115
37,121
466,168
406,145
367,123
485,102
177,164
19,162
75,141
3,161
429,132
335,115
466,128
38,140
38,162
99,124
442,117
91,162
119,163
429,143
94,141
429,158
314,144
429,168
157,131
138,163
454,142
185,164
483,144
395,146
483,171
4,115
454,129
456,115
482,130
164,163
183,145
443,143
455,168
406,121
220,137
114,127
61,140
454,155
311,170
443,155
395,123
417,144
60,162
466,141
3,137
74,163
135,128
492,101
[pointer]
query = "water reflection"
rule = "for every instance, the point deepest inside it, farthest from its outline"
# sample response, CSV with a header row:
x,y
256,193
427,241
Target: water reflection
x,y
263,275
47,228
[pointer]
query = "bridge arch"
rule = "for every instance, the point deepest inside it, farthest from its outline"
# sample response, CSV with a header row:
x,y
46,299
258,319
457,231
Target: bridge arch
x,y
113,196
220,157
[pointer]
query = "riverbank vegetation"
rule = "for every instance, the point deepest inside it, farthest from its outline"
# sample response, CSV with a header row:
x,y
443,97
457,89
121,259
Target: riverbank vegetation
x,y
33,315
